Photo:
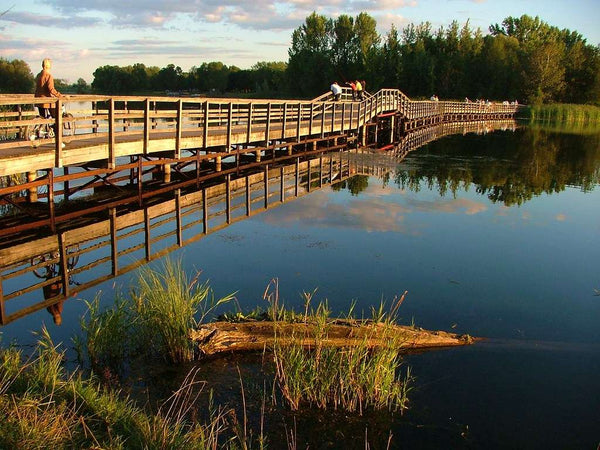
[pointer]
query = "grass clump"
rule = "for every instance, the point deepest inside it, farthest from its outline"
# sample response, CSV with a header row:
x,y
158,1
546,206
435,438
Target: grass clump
x,y
155,321
43,407
353,378
167,305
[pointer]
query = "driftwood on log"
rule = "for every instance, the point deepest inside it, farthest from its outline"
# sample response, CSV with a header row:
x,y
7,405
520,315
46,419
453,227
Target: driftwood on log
x,y
220,337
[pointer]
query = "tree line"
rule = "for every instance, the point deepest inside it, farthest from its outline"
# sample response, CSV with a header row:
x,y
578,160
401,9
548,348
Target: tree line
x,y
522,58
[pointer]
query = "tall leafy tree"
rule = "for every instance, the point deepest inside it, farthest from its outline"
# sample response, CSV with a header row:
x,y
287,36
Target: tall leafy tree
x,y
15,77
309,66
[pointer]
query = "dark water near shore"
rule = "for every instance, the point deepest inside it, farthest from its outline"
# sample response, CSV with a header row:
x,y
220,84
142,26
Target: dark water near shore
x,y
494,235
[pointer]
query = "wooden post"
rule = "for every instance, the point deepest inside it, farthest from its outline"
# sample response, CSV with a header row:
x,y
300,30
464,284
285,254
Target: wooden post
x,y
147,234
32,192
229,125
296,187
284,121
114,253
249,129
268,125
228,198
111,134
282,185
298,123
178,217
58,124
323,120
206,112
51,199
146,125
179,127
266,185
248,205
64,267
2,307
204,212
167,173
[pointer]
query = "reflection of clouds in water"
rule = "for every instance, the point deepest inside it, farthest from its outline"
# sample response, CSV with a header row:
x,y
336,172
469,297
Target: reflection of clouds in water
x,y
453,206
502,211
371,214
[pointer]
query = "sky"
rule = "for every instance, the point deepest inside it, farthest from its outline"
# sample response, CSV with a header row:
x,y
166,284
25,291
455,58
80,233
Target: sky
x,y
82,35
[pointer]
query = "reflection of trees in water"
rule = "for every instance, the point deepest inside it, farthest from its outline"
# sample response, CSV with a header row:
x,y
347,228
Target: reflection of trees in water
x,y
355,185
509,168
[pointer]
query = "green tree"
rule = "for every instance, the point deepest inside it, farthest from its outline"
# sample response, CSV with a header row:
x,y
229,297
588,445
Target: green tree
x,y
545,73
15,77
344,55
309,67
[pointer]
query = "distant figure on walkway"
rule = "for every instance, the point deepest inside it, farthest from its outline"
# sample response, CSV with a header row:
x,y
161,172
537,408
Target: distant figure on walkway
x,y
434,98
336,90
359,90
44,87
352,85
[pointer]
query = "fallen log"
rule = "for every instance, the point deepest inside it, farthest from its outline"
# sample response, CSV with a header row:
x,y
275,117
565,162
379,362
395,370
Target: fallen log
x,y
219,337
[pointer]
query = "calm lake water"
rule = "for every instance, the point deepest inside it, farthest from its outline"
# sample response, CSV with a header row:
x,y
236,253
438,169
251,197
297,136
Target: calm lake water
x,y
495,235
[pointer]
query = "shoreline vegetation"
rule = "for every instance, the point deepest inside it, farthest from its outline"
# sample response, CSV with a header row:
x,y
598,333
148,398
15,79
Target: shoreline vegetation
x,y
563,113
313,362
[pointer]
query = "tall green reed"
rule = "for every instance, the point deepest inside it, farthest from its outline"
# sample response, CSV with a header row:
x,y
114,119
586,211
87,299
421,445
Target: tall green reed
x,y
354,378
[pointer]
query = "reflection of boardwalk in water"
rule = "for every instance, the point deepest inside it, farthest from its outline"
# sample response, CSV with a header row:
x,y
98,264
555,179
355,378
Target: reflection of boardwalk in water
x,y
100,239
129,238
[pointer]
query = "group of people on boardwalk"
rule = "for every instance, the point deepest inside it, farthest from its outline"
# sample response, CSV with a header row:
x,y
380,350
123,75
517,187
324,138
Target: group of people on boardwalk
x,y
357,86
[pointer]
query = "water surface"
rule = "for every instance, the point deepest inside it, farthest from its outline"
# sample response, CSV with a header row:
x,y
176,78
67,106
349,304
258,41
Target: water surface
x,y
495,235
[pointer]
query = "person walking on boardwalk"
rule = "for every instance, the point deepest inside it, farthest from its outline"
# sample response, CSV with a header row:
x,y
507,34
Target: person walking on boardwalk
x,y
336,90
352,85
44,87
359,90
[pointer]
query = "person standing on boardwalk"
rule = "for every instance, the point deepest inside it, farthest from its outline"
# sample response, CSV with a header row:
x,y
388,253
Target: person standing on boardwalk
x,y
44,87
359,90
336,90
353,87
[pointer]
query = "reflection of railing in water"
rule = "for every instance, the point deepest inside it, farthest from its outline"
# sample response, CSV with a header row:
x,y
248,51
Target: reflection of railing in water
x,y
381,162
108,244
70,261
418,138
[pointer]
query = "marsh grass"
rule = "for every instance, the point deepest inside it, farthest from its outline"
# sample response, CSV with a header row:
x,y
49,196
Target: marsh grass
x,y
155,321
43,407
168,304
564,113
353,378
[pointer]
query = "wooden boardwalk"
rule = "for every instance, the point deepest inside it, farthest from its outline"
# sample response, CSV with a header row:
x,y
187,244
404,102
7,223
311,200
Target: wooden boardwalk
x,y
111,127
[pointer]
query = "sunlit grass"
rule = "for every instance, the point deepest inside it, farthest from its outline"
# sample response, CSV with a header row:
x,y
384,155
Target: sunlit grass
x,y
354,378
43,407
169,306
564,113
154,321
